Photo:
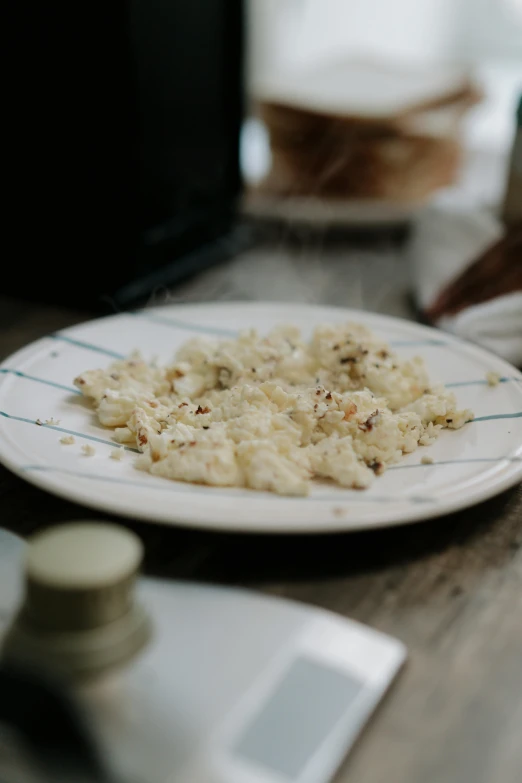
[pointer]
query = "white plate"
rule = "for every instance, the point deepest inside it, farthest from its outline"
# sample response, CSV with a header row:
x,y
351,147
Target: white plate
x,y
472,464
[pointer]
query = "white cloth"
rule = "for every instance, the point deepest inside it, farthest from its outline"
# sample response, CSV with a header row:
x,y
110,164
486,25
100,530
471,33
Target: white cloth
x,y
443,244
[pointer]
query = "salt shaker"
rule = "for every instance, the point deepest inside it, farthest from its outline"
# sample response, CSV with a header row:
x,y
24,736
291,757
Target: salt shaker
x,y
79,619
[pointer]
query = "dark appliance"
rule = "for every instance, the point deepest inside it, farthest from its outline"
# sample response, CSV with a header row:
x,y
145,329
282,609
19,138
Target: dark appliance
x,y
121,156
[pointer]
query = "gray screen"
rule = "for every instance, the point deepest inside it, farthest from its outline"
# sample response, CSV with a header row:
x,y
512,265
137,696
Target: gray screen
x,y
305,706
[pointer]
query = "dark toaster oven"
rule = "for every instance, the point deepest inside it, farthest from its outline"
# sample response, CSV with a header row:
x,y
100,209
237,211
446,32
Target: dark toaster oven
x,y
121,156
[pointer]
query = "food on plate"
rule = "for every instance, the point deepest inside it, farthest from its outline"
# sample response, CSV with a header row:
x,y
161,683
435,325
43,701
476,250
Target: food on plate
x,y
272,413
493,378
67,440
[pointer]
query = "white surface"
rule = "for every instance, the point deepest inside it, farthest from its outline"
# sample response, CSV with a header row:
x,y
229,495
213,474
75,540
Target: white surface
x,y
180,710
516,8
489,29
283,33
362,89
470,465
490,126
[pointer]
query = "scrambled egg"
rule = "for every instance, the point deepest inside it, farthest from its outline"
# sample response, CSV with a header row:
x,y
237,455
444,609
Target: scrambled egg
x,y
272,413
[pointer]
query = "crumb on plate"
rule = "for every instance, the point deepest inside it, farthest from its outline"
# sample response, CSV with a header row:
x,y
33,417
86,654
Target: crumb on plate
x,y
52,422
88,450
67,440
493,378
427,460
117,453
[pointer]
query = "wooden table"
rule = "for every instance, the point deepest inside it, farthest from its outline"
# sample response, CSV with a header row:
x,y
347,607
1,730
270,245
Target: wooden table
x,y
451,589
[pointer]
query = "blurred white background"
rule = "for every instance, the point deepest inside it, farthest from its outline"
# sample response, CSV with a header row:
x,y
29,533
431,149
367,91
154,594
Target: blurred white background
x,y
484,34
487,34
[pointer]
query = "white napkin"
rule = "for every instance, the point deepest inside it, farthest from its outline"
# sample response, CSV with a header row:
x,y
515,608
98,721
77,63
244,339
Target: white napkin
x,y
445,242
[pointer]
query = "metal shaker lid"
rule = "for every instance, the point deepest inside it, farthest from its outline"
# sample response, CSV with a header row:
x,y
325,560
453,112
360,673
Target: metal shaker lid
x,y
79,618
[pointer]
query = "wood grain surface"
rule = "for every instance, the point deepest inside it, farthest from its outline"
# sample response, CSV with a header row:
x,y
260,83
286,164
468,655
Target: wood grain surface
x,y
450,589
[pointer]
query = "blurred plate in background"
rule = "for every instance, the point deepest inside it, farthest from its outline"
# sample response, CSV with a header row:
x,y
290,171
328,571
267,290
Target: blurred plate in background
x,y
314,211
